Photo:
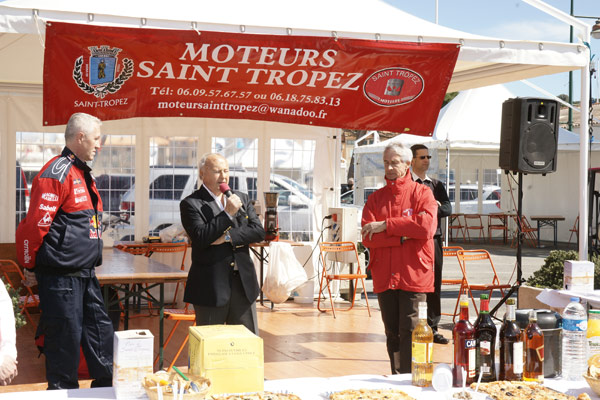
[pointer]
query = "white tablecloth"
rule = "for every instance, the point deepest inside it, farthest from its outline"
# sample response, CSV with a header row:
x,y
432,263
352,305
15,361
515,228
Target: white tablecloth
x,y
560,298
306,388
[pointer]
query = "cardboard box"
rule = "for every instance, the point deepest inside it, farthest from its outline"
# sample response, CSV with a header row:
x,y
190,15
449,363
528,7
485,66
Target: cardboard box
x,y
579,276
132,361
229,355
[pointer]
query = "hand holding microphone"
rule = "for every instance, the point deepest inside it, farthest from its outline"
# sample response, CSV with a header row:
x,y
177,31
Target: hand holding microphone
x,y
234,203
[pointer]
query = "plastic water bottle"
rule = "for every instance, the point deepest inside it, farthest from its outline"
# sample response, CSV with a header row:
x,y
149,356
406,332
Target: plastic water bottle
x,y
574,330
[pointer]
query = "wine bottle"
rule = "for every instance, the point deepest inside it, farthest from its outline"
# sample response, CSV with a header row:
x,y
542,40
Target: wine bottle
x,y
422,350
534,350
511,346
463,334
485,337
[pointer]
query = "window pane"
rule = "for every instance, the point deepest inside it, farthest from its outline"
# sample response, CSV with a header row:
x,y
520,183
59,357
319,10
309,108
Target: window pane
x,y
292,164
173,176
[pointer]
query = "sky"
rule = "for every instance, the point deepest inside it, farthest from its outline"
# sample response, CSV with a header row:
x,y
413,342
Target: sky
x,y
514,19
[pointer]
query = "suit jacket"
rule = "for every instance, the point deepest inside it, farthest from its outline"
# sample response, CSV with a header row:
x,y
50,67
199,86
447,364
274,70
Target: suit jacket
x,y
445,208
209,279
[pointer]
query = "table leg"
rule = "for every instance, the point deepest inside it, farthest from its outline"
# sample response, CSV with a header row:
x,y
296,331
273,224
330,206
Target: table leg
x,y
555,233
262,280
538,226
161,326
126,321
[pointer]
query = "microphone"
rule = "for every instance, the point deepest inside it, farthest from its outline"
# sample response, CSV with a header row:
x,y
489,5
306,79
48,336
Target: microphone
x,y
226,190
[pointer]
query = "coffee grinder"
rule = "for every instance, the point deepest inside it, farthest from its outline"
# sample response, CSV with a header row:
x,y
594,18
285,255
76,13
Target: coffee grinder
x,y
271,222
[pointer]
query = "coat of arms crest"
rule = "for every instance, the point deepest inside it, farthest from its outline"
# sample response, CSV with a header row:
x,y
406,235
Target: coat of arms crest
x,y
103,68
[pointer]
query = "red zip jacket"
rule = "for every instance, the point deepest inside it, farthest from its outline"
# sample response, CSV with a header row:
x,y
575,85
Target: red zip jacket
x,y
61,232
401,257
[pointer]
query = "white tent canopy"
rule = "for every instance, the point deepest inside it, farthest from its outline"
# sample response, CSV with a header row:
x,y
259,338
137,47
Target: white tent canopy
x,y
482,61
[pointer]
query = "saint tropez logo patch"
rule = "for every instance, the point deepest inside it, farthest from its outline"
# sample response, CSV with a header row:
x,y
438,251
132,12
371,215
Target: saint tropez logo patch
x,y
104,74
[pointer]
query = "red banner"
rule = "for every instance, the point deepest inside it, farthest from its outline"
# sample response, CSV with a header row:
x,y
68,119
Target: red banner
x,y
117,73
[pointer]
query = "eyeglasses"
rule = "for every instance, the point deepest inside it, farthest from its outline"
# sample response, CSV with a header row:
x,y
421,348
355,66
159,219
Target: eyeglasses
x,y
424,157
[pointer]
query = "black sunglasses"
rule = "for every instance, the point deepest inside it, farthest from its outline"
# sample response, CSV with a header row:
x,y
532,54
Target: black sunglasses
x,y
424,157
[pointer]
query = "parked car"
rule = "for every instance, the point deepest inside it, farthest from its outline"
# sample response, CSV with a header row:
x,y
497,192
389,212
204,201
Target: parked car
x,y
111,188
468,199
170,185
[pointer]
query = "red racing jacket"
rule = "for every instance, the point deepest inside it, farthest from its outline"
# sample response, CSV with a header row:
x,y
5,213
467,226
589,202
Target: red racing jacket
x,y
401,257
61,233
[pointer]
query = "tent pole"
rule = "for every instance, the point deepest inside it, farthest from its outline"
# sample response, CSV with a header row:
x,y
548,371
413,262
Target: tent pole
x,y
447,187
584,145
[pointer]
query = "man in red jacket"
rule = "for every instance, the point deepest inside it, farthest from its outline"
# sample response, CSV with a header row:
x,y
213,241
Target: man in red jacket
x,y
398,224
60,243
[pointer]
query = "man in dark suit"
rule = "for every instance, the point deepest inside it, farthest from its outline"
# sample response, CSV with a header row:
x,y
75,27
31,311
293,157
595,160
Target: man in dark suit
x,y
420,165
222,283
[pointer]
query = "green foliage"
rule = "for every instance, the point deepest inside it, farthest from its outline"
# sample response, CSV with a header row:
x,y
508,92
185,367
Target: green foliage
x,y
17,308
449,97
550,275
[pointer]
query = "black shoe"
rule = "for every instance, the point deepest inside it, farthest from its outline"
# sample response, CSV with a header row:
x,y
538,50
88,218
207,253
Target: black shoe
x,y
438,338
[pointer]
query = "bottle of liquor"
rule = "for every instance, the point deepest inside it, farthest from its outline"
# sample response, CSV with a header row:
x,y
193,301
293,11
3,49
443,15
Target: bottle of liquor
x,y
511,346
422,350
534,350
485,337
464,346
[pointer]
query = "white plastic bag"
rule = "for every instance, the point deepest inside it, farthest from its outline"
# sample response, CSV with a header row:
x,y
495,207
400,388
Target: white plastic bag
x,y
172,233
284,273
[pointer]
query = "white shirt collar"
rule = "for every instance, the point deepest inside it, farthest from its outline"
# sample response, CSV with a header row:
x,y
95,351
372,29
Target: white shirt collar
x,y
221,205
415,177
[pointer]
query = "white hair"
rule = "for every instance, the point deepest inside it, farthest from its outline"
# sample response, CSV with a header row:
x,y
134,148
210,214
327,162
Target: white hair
x,y
80,122
401,149
205,157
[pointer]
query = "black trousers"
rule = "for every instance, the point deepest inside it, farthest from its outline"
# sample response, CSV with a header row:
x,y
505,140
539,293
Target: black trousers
x,y
400,315
434,299
73,315
239,311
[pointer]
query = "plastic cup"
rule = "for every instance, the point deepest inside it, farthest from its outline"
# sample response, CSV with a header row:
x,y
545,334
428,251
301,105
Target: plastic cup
x,y
442,378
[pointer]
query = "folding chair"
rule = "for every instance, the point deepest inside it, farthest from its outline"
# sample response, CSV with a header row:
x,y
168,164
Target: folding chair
x,y
178,315
529,233
574,230
475,224
478,260
498,222
337,253
451,251
13,275
454,223
170,248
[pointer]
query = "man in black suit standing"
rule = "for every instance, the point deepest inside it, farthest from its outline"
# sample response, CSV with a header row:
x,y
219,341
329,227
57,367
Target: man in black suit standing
x,y
222,283
420,165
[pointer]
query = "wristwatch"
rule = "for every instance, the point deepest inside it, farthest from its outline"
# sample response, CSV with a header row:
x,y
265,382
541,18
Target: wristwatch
x,y
227,237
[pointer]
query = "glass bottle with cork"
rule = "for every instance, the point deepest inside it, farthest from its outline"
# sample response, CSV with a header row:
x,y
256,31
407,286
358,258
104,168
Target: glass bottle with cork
x,y
485,338
511,346
534,350
422,350
463,334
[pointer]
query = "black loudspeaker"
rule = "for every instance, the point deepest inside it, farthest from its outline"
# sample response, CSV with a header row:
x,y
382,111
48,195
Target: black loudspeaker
x,y
529,135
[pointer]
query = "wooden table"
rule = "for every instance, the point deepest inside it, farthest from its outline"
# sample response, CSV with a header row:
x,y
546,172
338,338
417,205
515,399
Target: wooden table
x,y
548,220
121,271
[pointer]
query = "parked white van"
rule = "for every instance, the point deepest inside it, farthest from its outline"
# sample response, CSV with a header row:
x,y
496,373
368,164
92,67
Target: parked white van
x,y
170,185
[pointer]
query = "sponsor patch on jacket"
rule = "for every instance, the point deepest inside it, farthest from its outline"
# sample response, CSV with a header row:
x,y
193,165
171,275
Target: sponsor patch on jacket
x,y
47,208
76,181
407,213
78,190
94,231
46,220
80,199
50,196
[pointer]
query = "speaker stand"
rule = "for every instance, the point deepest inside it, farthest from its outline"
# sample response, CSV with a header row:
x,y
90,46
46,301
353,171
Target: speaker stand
x,y
518,282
